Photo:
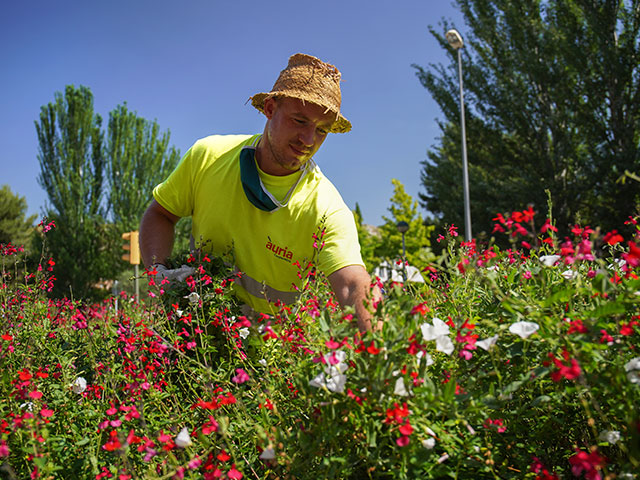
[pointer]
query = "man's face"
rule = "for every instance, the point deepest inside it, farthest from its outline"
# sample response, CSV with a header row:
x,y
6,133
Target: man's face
x,y
293,134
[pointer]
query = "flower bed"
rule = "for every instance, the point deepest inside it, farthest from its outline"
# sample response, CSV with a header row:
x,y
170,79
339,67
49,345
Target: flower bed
x,y
505,365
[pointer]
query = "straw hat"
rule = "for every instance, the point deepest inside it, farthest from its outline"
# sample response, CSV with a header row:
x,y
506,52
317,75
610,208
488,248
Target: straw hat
x,y
312,80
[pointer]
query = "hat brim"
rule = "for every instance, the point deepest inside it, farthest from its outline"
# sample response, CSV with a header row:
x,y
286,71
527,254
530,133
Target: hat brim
x,y
340,125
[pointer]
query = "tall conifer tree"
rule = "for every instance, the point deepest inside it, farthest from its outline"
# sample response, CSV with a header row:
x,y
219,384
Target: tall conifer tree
x,y
552,92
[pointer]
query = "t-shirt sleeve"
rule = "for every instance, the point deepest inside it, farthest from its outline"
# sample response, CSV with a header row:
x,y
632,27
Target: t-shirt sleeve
x,y
341,247
176,193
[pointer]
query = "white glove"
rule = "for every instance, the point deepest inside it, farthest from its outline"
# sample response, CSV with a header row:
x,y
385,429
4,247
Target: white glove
x,y
175,274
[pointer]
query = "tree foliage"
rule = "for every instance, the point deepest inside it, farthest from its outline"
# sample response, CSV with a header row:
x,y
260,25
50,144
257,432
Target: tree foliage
x,y
15,226
72,164
552,90
404,208
97,190
139,158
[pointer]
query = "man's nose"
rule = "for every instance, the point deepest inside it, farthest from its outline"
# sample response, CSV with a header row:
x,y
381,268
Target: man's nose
x,y
307,136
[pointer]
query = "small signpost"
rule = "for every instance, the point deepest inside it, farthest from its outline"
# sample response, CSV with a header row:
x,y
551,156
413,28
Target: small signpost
x,y
132,247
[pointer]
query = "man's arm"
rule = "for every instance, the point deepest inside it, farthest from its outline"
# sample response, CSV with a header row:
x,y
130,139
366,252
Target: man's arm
x,y
156,234
352,286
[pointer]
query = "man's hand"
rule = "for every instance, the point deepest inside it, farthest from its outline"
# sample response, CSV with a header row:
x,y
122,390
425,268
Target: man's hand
x,y
172,275
352,286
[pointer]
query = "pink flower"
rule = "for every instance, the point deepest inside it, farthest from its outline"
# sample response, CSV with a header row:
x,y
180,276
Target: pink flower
x,y
402,441
4,449
46,413
234,474
241,376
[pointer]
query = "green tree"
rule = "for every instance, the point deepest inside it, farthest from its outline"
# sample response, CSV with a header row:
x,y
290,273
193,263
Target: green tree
x,y
72,163
417,243
368,241
552,92
15,226
139,158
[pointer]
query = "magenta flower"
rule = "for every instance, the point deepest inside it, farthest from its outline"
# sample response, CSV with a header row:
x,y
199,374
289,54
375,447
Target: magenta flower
x,y
241,376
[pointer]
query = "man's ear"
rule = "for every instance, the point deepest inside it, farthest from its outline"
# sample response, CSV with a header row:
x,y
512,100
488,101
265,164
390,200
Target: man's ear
x,y
269,107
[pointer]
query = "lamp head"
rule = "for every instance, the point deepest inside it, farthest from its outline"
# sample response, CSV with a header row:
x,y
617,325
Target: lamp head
x,y
402,227
454,39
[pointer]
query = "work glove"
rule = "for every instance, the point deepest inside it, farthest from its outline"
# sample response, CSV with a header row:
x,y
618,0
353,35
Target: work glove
x,y
173,274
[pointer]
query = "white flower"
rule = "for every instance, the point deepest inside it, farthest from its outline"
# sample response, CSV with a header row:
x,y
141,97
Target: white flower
x,y
333,378
336,383
633,364
632,367
179,313
79,385
569,274
549,260
268,454
443,458
524,329
429,443
183,440
444,344
493,268
426,356
318,381
400,389
611,436
431,332
487,343
193,298
27,406
243,332
430,432
262,362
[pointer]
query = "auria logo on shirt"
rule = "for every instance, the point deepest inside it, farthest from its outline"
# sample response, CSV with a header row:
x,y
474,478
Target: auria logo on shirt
x,y
278,251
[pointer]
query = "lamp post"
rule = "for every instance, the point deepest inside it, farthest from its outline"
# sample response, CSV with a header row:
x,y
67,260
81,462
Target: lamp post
x,y
402,228
455,42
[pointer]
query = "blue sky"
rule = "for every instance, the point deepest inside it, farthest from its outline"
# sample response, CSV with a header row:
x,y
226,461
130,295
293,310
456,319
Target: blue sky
x,y
191,65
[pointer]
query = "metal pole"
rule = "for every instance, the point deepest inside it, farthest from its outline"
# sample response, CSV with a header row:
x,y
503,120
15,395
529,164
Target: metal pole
x,y
135,279
404,260
465,172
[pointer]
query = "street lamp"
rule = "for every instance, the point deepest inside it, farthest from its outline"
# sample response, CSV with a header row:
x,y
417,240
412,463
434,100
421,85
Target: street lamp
x,y
402,228
455,42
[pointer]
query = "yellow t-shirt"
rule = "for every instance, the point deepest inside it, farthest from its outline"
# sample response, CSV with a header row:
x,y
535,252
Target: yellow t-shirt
x,y
267,246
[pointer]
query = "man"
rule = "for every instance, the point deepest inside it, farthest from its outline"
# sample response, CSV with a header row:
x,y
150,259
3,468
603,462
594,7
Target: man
x,y
263,198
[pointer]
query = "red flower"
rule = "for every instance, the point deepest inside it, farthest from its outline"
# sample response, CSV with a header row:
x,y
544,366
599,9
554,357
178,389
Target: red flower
x,y
113,443
422,309
576,326
633,257
372,349
223,456
589,463
406,429
613,237
627,328
46,413
570,372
